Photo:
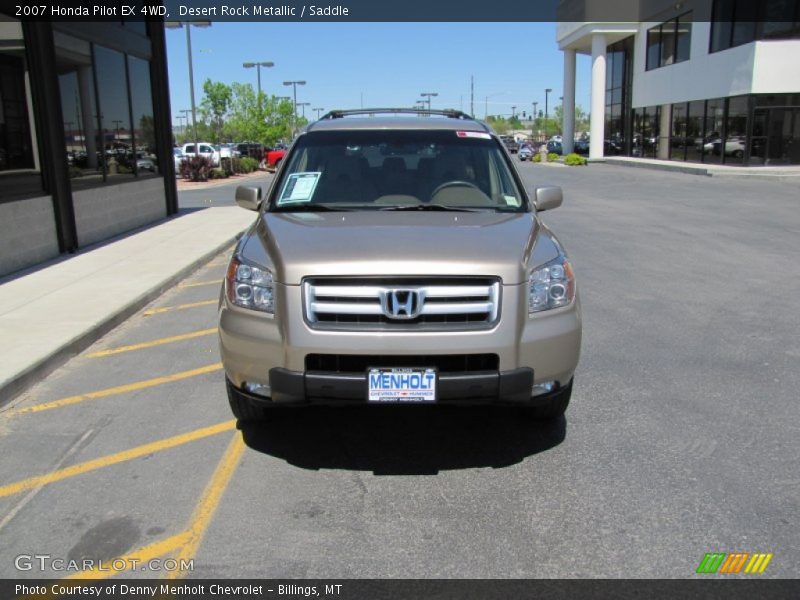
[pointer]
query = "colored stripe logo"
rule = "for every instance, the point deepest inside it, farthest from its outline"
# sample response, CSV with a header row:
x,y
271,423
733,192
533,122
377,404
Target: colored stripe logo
x,y
734,563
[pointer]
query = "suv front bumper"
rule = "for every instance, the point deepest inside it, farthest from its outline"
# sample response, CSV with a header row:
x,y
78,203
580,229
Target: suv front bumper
x,y
266,351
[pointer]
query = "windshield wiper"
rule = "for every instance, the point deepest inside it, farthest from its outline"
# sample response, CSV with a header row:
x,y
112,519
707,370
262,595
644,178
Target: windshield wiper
x,y
432,207
311,208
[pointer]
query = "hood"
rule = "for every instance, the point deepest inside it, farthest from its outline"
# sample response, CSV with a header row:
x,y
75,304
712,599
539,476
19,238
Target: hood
x,y
373,243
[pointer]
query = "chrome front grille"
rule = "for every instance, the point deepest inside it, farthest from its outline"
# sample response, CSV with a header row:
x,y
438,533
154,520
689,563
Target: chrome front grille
x,y
397,304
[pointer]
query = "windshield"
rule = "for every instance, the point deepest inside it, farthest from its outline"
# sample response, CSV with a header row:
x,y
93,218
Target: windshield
x,y
397,170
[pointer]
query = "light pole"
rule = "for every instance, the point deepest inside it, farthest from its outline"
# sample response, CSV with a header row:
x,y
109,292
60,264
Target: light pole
x,y
258,65
546,92
429,95
186,112
117,123
318,111
294,85
188,25
303,105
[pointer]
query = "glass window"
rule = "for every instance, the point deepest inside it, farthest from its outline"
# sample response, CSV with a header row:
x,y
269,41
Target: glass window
x,y
653,47
144,134
19,167
712,147
744,25
695,131
678,137
668,43
385,169
82,138
736,130
721,24
16,147
115,115
684,37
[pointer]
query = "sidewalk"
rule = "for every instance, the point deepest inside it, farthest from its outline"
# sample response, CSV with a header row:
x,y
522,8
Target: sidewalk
x,y
789,172
51,314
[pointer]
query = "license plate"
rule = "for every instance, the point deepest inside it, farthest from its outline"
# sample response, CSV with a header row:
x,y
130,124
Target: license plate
x,y
401,385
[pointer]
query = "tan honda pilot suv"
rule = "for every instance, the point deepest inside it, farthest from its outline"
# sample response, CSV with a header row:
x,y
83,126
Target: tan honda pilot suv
x,y
398,259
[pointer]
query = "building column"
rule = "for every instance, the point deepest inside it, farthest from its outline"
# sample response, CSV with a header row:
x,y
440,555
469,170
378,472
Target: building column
x,y
568,105
87,119
598,116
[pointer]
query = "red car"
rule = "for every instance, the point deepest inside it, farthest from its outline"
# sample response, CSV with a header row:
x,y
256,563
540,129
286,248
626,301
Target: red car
x,y
274,157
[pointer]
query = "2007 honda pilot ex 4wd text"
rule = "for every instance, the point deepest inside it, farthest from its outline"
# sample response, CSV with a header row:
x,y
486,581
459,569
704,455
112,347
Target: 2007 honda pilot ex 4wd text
x,y
398,259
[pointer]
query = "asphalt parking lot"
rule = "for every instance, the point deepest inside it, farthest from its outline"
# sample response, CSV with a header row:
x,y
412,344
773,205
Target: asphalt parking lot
x,y
682,437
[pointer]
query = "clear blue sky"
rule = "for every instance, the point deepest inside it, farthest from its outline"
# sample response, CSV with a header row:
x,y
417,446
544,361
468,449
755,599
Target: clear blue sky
x,y
390,63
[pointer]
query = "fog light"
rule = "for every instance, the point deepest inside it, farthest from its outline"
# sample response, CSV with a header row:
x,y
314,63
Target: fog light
x,y
543,388
259,389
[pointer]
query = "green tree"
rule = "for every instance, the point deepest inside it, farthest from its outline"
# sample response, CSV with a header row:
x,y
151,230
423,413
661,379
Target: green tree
x,y
248,119
214,106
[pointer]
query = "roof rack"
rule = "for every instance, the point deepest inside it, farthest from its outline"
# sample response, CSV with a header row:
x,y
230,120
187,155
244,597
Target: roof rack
x,y
448,112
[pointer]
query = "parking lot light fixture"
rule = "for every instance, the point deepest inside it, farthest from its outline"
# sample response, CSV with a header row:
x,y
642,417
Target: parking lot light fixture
x,y
258,65
294,85
188,26
429,95
546,92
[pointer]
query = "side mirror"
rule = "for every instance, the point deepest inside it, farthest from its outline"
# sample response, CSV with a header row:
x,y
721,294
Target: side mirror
x,y
548,198
248,197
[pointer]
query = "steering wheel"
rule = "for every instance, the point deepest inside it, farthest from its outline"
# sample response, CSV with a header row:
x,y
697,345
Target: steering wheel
x,y
448,184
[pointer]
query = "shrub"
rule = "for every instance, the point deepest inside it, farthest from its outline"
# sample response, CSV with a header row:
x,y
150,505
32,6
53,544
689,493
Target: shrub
x,y
218,174
124,169
248,165
537,157
552,156
74,172
196,168
574,160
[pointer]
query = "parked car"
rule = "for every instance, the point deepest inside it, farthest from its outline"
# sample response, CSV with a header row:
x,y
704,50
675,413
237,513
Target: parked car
x,y
251,149
146,164
206,150
178,156
734,146
274,156
510,143
525,152
411,278
554,146
581,146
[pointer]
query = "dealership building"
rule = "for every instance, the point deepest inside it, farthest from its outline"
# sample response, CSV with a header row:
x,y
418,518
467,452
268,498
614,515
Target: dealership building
x,y
85,136
704,81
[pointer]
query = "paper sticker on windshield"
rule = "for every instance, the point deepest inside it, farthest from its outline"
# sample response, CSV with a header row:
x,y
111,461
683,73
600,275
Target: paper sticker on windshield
x,y
473,134
299,187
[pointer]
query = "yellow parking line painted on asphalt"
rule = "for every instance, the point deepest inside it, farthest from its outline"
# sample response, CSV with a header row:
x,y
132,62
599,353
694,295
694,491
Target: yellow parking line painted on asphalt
x,y
200,283
128,387
113,459
136,558
204,511
166,309
188,541
159,342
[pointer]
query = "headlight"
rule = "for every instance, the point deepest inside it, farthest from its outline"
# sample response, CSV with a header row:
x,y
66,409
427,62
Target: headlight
x,y
551,286
250,287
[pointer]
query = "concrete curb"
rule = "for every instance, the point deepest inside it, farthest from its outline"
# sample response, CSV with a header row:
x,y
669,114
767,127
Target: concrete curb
x,y
11,389
706,171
